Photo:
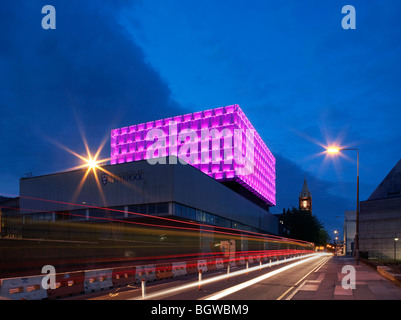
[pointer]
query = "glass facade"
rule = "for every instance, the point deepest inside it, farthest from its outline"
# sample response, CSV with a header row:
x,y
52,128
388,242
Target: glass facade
x,y
220,142
209,218
151,209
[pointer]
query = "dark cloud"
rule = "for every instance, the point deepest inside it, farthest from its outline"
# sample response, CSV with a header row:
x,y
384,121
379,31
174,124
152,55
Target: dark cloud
x,y
88,70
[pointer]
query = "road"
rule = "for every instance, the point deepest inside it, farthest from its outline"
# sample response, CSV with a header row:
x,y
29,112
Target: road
x,y
256,283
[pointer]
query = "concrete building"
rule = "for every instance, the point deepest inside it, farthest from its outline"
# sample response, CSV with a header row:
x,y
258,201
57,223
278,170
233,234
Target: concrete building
x,y
191,185
206,168
380,218
219,172
167,190
349,231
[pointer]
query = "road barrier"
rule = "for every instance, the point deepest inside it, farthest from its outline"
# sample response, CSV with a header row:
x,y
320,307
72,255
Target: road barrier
x,y
164,271
179,269
27,288
123,276
96,280
240,261
211,265
79,282
202,265
219,264
147,272
67,284
192,267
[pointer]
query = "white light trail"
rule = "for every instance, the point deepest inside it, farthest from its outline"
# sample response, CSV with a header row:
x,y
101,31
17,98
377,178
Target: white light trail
x,y
248,283
232,274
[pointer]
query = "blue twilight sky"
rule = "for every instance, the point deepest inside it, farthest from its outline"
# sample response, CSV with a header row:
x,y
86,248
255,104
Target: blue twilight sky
x,y
301,79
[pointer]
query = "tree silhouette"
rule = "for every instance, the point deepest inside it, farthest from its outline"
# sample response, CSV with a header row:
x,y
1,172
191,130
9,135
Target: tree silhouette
x,y
303,225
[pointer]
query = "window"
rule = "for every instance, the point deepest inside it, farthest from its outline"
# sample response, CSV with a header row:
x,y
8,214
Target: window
x,y
78,214
162,208
210,218
178,210
117,212
192,214
142,209
200,215
151,208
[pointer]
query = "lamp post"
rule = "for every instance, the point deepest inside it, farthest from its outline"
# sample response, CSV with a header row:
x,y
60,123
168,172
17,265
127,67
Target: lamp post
x,y
395,248
333,150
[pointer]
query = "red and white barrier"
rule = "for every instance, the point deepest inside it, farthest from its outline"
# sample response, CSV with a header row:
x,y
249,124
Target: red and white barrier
x,y
68,284
78,282
27,288
96,280
179,269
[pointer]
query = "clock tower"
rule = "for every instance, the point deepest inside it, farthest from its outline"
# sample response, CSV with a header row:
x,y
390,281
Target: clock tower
x,y
305,198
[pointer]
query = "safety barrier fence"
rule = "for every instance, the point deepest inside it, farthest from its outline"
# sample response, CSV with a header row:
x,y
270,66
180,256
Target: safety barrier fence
x,y
74,283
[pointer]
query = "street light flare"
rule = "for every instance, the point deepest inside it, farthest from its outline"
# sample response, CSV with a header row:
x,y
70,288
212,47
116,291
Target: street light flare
x,y
333,150
92,163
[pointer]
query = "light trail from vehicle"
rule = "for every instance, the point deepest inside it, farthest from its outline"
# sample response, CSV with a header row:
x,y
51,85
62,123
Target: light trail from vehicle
x,y
178,289
211,228
144,240
249,283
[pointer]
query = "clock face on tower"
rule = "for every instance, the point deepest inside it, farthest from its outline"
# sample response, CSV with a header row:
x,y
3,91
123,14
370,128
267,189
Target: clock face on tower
x,y
305,198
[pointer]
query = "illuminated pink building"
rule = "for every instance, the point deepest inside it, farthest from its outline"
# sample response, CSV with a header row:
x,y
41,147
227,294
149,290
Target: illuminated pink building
x,y
220,142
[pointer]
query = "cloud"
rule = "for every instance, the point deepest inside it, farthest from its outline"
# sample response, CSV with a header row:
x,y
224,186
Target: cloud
x,y
88,70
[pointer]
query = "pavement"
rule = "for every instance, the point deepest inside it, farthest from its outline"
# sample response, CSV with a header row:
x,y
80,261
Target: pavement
x,y
332,282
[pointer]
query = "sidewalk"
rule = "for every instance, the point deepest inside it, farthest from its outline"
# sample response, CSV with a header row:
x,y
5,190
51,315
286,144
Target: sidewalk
x,y
326,283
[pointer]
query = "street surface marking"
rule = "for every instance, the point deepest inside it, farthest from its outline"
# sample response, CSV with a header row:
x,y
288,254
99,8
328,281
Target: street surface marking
x,y
248,283
316,268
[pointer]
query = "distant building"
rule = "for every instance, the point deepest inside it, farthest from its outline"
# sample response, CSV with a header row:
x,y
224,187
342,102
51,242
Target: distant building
x,y
305,198
349,231
380,217
10,218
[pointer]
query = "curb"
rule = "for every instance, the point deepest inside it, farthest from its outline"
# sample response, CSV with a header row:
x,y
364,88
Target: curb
x,y
386,272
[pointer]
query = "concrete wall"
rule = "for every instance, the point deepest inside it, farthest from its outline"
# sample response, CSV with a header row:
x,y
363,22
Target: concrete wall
x,y
349,230
379,224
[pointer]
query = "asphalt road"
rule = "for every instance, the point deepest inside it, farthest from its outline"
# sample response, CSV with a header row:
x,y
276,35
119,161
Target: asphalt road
x,y
267,283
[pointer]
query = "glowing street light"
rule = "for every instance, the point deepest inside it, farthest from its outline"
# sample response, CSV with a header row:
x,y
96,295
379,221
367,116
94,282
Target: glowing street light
x,y
335,150
91,163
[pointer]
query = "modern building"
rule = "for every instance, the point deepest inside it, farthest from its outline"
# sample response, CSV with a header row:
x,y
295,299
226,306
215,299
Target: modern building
x,y
191,172
135,189
380,218
221,143
349,231
305,198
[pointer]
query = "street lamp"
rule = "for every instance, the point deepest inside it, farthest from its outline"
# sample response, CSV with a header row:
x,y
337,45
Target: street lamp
x,y
334,150
395,248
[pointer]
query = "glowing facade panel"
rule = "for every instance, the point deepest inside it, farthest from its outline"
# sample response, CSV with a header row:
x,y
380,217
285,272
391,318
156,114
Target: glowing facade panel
x,y
220,142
